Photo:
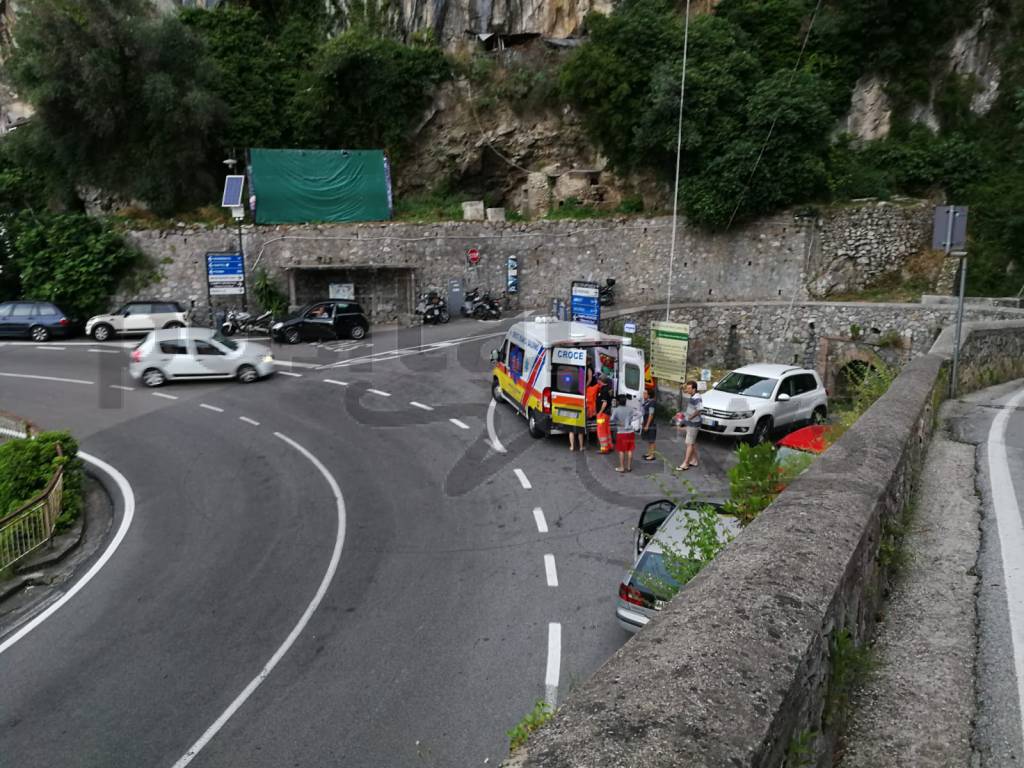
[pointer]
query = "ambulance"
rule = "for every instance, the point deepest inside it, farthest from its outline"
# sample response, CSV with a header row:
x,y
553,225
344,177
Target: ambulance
x,y
543,366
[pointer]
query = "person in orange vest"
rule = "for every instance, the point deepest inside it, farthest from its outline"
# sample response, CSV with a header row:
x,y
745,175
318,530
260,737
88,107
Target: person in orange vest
x,y
604,411
593,387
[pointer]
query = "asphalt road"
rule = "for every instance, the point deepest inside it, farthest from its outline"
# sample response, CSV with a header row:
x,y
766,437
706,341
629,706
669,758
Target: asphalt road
x,y
437,631
994,420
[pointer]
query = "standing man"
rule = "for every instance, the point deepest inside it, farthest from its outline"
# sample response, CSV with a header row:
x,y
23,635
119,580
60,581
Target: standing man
x,y
649,429
691,422
625,437
604,412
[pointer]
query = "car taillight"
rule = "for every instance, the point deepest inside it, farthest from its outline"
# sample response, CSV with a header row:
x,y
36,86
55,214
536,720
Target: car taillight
x,y
546,400
632,595
63,321
136,355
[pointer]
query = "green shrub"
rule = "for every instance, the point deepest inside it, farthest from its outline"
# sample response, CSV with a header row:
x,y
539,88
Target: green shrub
x,y
268,294
27,466
533,720
754,481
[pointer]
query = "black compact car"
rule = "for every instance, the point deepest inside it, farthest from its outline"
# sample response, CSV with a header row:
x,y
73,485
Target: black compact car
x,y
36,320
323,321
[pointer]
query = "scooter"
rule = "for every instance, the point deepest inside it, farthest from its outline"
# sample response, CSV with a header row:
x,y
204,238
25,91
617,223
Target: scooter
x,y
470,302
433,308
236,321
487,308
606,293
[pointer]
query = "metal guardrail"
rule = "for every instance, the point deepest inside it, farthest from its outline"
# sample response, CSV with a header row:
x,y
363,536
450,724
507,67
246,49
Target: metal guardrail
x,y
28,528
12,426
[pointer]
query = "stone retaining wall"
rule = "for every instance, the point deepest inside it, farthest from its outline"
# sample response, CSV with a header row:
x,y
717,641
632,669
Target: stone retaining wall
x,y
784,256
744,666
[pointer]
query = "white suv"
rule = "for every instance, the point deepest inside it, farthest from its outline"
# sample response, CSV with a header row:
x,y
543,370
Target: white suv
x,y
137,317
754,400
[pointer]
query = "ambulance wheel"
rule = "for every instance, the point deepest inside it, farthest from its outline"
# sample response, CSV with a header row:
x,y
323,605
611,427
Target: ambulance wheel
x,y
496,392
535,429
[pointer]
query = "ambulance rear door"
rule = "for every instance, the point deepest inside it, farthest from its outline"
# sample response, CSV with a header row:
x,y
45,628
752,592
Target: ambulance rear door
x,y
631,372
568,386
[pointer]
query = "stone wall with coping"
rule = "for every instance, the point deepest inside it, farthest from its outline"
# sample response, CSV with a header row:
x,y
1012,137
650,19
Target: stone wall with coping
x,y
767,260
731,334
743,665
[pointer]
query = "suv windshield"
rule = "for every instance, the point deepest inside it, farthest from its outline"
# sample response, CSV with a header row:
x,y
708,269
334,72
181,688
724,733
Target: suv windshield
x,y
747,385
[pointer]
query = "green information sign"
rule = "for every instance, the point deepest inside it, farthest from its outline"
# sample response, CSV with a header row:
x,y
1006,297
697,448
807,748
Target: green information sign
x,y
669,345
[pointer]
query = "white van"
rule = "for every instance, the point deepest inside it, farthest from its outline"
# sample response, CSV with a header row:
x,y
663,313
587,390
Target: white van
x,y
543,366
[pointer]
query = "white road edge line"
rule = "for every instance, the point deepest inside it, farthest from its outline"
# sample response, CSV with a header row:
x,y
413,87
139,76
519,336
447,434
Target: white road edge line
x,y
165,396
550,571
335,381
126,521
459,424
492,434
211,408
289,373
421,406
554,665
247,420
52,348
523,479
289,641
378,392
1011,536
45,378
542,524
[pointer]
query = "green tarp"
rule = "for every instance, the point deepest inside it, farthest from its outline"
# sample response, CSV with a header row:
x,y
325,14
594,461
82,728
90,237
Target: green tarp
x,y
294,186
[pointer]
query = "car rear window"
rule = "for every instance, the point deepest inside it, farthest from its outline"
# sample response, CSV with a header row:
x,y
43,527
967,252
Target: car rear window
x,y
570,379
653,575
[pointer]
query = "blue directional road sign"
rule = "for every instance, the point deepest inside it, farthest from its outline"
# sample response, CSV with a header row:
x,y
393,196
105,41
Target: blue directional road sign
x,y
225,274
586,304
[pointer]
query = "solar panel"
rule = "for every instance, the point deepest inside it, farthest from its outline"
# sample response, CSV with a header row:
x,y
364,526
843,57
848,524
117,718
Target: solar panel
x,y
233,191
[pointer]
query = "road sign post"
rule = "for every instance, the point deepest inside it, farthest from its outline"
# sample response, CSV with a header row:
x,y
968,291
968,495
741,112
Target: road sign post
x,y
949,234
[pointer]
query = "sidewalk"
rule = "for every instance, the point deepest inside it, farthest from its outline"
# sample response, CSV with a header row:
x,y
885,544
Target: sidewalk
x,y
918,707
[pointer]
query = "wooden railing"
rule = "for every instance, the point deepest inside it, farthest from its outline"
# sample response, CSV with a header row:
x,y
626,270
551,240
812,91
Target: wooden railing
x,y
28,528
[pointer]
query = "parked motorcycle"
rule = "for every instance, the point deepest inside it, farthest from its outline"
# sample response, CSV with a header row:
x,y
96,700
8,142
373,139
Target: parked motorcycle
x,y
606,293
487,308
470,302
238,321
433,308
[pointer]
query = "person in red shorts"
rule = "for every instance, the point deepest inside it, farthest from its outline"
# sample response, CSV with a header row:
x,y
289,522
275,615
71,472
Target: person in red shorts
x,y
625,437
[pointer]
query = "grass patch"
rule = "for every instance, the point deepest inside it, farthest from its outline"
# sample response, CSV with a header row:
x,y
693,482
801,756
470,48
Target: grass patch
x,y
531,721
429,207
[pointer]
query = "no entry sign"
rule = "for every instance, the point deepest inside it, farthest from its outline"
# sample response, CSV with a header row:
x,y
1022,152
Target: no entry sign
x,y
473,254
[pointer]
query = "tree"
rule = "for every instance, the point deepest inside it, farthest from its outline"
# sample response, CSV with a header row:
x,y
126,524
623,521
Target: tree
x,y
122,97
364,91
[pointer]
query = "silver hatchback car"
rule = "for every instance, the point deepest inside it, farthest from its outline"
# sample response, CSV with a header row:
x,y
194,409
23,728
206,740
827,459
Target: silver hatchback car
x,y
197,353
645,587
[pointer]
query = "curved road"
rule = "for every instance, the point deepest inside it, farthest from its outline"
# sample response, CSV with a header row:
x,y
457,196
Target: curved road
x,y
461,598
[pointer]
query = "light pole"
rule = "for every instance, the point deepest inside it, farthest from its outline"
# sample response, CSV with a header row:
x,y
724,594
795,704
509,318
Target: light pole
x,y
239,214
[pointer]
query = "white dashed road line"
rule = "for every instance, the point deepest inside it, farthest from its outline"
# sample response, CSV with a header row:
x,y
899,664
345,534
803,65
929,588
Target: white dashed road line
x,y
211,408
523,479
165,397
459,424
45,378
123,389
542,524
550,571
247,420
554,665
378,392
1011,534
105,351
492,433
335,381
421,406
289,373
52,348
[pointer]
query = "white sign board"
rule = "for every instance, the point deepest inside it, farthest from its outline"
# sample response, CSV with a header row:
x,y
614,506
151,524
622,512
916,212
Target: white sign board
x,y
669,345
569,356
629,328
341,291
705,374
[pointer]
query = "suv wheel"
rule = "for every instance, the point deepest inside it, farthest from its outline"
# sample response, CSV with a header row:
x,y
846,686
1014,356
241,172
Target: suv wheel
x,y
762,431
820,415
39,333
174,324
102,332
